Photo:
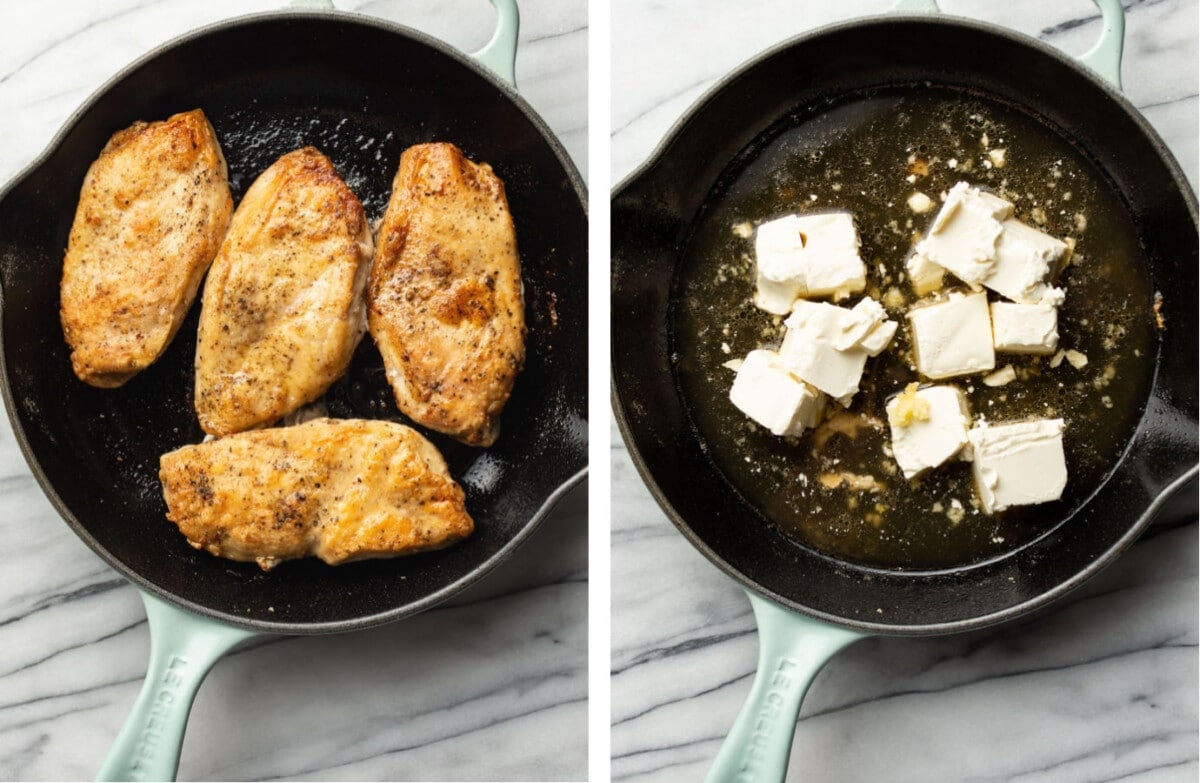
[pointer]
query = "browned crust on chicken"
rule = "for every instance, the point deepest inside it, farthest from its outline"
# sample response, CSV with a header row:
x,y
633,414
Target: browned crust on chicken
x,y
152,211
342,490
445,302
283,307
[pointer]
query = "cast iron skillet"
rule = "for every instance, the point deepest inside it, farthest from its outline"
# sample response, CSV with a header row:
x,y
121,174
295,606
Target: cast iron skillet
x,y
361,90
809,605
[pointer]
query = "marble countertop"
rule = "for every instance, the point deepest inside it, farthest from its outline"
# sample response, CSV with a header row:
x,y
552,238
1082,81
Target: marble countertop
x,y
1103,687
454,694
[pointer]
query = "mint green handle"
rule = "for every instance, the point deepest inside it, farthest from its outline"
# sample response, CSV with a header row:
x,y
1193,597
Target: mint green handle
x,y
1104,58
499,55
183,647
915,7
792,648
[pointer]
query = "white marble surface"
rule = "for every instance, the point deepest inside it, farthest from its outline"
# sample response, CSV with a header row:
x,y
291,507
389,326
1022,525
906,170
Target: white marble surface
x,y
1102,688
492,686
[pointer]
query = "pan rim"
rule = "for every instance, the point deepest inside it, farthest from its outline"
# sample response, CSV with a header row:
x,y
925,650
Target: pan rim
x,y
899,19
1118,547
134,577
663,149
365,20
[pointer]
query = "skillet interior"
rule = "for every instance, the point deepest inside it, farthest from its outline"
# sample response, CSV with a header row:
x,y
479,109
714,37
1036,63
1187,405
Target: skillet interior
x,y
361,91
653,215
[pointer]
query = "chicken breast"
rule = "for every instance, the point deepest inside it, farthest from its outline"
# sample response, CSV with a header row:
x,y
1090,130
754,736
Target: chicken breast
x,y
283,308
445,297
152,211
342,490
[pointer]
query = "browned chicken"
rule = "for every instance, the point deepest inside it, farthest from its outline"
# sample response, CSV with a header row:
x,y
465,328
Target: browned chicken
x,y
283,308
445,298
152,211
339,489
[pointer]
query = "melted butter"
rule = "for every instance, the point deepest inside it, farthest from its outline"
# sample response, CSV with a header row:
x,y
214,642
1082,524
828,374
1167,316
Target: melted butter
x,y
867,155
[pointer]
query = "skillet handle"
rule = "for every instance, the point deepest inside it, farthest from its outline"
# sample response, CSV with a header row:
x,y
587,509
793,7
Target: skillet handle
x,y
183,647
499,55
915,7
792,648
1104,58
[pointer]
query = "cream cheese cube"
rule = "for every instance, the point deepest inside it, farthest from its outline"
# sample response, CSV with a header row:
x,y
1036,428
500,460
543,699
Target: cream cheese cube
x,y
920,445
773,397
775,297
925,276
828,346
779,252
963,236
832,266
814,358
879,338
1024,328
858,322
806,256
820,317
1018,464
1026,261
953,337
865,323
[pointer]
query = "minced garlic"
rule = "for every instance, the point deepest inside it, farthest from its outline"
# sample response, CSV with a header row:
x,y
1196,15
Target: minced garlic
x,y
908,408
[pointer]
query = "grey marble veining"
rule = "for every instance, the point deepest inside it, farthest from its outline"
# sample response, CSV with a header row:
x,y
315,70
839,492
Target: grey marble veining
x,y
492,686
1102,687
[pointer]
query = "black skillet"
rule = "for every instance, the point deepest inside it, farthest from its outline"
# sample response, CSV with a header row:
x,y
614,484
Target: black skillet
x,y
361,90
809,605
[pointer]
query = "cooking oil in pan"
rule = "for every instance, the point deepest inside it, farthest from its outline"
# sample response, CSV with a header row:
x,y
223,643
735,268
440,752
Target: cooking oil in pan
x,y
836,489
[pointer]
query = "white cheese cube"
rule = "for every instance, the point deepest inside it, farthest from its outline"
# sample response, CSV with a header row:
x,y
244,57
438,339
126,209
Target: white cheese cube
x,y
832,264
1018,464
773,397
864,325
1026,261
775,297
997,207
821,317
925,276
809,353
879,338
779,267
828,346
920,444
858,322
953,337
807,256
1024,328
963,236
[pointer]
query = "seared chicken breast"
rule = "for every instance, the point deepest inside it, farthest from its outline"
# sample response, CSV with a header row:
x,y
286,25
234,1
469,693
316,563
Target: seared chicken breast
x,y
152,212
445,297
339,489
283,308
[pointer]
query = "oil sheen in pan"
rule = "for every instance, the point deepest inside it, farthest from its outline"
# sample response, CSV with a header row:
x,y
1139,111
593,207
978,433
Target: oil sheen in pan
x,y
857,155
